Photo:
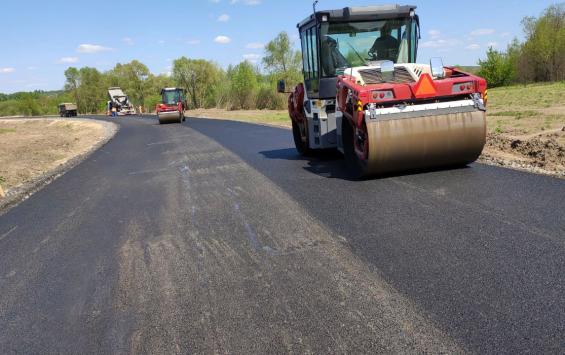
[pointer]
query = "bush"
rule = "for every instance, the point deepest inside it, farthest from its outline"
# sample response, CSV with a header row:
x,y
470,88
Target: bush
x,y
243,86
269,99
151,102
498,69
9,108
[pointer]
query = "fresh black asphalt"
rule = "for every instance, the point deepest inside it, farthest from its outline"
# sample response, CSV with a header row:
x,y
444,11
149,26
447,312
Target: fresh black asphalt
x,y
216,236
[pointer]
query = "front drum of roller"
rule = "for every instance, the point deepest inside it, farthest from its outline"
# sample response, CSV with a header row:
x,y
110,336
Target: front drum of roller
x,y
169,117
424,142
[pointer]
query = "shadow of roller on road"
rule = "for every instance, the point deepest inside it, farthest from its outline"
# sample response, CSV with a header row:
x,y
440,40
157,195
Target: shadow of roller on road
x,y
330,163
326,163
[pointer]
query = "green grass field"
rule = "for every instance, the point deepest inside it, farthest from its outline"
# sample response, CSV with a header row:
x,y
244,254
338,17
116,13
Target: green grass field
x,y
272,117
530,96
526,109
519,110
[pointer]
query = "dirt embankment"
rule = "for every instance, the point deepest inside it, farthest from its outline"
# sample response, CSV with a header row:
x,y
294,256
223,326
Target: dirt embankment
x,y
542,153
526,128
36,149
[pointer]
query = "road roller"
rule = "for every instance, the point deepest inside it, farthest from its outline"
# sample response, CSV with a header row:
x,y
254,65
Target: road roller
x,y
172,106
364,94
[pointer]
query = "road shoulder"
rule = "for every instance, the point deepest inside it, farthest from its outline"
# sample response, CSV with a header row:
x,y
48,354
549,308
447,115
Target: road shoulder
x,y
82,137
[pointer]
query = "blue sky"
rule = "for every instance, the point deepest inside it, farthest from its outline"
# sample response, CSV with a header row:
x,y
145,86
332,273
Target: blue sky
x,y
42,38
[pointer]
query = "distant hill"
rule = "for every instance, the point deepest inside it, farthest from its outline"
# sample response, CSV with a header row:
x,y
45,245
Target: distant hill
x,y
35,93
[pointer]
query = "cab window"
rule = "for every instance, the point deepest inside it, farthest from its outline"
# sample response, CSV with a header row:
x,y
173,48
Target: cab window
x,y
310,59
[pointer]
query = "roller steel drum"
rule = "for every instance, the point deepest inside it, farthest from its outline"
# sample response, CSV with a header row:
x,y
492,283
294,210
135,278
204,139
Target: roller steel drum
x,y
169,117
427,140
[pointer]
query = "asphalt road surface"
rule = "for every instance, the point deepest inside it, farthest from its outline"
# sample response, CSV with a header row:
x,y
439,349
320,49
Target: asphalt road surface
x,y
216,237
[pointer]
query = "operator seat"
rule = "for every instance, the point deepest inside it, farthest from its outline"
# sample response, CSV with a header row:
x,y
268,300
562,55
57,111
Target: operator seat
x,y
331,56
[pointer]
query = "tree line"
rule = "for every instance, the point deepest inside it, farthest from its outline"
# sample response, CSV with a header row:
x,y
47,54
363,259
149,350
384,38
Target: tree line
x,y
541,57
207,85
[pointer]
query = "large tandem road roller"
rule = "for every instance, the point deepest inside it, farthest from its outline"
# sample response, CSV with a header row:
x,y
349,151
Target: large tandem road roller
x,y
364,94
172,106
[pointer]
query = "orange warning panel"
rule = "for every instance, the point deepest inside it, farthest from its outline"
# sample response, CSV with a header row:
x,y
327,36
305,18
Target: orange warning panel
x,y
425,87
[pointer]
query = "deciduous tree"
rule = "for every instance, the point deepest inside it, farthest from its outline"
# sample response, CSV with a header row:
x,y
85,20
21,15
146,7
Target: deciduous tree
x,y
282,60
198,77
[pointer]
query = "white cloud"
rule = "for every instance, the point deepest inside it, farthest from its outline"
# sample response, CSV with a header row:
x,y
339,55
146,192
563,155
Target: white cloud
x,y
473,47
505,34
69,60
214,1
492,44
224,18
222,40
7,70
255,45
482,32
246,2
193,42
434,34
92,48
32,68
252,57
128,40
439,43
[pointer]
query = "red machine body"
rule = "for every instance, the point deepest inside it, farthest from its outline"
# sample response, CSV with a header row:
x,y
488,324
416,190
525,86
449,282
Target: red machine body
x,y
456,83
161,107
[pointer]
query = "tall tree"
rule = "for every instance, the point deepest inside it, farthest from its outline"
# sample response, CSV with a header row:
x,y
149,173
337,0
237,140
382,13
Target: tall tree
x,y
543,55
281,59
92,89
132,78
72,83
198,77
243,80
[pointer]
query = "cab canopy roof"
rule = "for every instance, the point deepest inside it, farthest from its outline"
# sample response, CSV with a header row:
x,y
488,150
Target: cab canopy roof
x,y
171,89
363,13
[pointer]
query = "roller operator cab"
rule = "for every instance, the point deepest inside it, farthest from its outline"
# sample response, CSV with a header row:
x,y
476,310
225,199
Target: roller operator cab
x,y
364,94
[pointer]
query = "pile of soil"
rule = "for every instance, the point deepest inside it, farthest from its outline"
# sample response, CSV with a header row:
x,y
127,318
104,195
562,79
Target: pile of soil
x,y
542,153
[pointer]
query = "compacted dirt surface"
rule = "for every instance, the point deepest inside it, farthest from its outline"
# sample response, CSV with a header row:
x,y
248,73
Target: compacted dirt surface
x,y
542,153
31,148
217,237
